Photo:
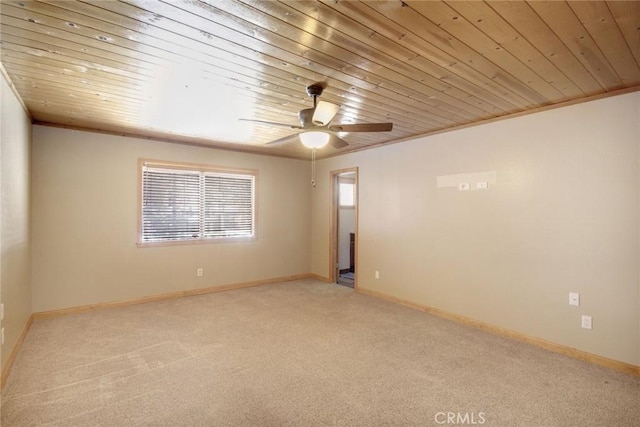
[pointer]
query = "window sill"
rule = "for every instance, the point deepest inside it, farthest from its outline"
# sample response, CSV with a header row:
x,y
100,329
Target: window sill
x,y
196,242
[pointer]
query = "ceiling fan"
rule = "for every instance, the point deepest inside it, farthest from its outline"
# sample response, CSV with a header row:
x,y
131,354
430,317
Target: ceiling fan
x,y
316,124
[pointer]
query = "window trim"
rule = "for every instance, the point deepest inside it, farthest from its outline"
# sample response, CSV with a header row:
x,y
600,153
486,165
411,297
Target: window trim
x,y
203,168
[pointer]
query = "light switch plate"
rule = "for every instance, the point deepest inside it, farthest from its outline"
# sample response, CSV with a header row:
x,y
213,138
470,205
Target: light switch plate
x,y
463,186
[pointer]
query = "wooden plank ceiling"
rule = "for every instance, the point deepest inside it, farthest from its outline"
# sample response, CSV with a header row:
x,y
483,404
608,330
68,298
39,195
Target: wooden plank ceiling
x,y
188,70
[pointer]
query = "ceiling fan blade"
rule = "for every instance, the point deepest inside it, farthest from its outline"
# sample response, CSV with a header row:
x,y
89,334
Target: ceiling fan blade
x,y
337,142
324,113
282,141
362,127
271,123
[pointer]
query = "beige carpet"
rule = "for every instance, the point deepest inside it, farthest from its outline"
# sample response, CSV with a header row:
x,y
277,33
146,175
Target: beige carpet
x,y
300,353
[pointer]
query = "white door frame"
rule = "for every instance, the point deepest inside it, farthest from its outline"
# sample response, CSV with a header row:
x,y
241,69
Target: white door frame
x,y
333,225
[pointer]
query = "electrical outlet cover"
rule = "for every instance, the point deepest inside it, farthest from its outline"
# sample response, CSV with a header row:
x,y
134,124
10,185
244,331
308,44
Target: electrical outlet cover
x,y
587,322
574,298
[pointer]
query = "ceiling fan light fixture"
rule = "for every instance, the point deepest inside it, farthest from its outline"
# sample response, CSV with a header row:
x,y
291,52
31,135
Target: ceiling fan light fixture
x,y
324,113
314,139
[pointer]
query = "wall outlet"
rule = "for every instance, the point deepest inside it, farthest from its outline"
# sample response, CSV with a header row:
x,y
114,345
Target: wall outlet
x,y
377,274
574,299
199,272
1,311
482,185
586,322
463,186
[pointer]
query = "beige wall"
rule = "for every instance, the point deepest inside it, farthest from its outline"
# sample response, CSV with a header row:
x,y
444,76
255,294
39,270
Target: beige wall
x,y
346,226
15,290
85,222
560,216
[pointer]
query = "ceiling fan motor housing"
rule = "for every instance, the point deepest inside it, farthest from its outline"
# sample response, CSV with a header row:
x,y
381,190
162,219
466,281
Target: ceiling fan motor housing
x,y
306,117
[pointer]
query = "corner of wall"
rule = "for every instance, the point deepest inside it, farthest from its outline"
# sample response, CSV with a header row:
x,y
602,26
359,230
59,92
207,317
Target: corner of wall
x,y
16,94
15,219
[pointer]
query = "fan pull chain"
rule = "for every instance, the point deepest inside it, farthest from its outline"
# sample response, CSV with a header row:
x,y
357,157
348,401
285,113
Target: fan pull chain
x,y
313,167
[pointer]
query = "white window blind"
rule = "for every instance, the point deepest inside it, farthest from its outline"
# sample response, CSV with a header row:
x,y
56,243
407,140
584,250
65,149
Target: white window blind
x,y
347,195
186,204
228,205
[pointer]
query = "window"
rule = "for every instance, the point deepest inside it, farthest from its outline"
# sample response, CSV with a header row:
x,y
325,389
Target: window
x,y
347,194
189,203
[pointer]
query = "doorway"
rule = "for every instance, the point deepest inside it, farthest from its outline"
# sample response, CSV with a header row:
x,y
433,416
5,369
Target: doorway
x,y
344,234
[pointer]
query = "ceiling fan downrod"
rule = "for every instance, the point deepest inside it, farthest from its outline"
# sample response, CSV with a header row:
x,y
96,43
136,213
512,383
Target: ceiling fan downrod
x,y
314,91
